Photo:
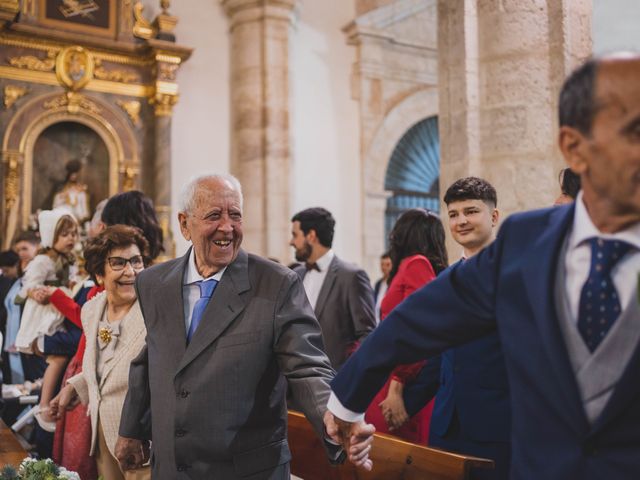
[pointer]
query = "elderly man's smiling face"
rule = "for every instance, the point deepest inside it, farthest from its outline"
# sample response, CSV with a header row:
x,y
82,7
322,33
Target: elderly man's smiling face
x,y
214,225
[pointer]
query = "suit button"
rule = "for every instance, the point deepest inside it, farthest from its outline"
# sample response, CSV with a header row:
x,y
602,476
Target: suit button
x,y
180,433
184,393
182,468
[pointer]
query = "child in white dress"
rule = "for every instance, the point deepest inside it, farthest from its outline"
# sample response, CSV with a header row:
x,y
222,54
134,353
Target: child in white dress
x,y
53,266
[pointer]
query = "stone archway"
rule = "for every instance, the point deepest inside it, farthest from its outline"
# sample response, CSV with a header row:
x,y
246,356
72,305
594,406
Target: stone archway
x,y
399,119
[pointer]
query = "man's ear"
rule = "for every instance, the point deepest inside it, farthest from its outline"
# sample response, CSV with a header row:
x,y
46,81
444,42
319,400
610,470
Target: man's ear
x,y
572,142
312,237
182,220
495,217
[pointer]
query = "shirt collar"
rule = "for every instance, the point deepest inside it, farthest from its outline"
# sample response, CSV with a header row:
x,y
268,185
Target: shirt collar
x,y
192,275
324,261
584,229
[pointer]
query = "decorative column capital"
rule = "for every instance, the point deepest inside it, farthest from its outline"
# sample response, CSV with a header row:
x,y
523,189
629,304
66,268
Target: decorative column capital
x,y
240,11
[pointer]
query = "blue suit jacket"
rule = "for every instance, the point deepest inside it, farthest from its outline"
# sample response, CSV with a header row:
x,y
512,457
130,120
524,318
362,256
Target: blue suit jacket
x,y
509,286
471,381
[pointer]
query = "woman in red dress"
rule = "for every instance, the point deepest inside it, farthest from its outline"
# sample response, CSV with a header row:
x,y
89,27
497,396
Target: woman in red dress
x,y
418,254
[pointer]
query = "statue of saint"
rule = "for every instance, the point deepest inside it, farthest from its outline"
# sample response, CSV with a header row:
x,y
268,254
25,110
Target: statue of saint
x,y
74,194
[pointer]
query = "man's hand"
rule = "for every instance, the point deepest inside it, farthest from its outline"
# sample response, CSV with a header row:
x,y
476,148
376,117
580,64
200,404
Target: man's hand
x,y
355,438
67,399
393,409
131,453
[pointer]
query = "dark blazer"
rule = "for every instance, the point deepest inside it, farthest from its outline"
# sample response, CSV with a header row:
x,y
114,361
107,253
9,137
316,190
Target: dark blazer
x,y
218,405
471,382
510,286
345,309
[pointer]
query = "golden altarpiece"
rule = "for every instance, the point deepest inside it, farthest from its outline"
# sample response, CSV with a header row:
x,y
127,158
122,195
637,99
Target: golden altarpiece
x,y
90,81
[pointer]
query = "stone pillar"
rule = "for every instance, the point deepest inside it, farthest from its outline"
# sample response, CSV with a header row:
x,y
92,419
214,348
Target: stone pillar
x,y
260,32
166,96
501,65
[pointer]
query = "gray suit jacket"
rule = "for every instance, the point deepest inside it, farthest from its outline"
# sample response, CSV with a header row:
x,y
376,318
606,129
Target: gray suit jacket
x,y
345,309
218,405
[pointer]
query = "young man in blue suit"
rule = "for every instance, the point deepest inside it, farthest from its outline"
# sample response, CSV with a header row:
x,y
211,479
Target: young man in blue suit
x,y
472,412
560,287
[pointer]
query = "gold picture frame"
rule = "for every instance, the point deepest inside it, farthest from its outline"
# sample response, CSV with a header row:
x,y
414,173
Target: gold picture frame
x,y
93,17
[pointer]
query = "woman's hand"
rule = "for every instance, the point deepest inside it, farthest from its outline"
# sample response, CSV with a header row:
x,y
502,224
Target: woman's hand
x,y
67,399
393,408
41,294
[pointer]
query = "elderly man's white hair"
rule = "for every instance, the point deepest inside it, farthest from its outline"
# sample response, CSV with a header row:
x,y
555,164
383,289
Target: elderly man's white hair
x,y
188,195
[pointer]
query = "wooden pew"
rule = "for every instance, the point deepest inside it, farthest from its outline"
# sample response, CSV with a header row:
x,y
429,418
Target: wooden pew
x,y
392,459
11,452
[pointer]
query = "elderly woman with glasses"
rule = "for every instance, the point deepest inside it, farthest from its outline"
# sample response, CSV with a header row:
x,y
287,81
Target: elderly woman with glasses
x,y
115,332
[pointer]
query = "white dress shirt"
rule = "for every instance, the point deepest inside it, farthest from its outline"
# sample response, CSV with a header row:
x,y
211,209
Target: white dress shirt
x,y
313,279
190,288
577,263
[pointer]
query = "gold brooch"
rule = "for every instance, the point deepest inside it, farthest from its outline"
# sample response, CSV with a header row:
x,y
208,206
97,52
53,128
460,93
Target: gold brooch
x,y
105,335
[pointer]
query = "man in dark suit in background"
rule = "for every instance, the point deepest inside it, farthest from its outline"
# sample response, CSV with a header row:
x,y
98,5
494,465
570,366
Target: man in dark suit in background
x,y
9,262
339,292
227,333
472,411
560,286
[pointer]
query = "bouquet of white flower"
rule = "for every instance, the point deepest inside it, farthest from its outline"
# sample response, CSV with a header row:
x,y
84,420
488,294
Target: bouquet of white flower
x,y
32,469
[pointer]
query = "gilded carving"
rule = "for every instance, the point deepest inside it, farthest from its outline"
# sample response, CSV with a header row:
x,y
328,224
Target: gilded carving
x,y
129,175
127,16
142,28
12,93
29,7
12,162
74,67
74,102
167,71
132,108
114,75
164,103
10,6
31,62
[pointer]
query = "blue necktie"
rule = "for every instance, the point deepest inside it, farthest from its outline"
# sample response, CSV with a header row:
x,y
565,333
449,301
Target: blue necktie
x,y
206,290
599,303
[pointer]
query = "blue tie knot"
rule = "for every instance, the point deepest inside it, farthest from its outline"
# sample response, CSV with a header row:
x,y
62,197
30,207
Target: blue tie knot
x,y
207,287
605,254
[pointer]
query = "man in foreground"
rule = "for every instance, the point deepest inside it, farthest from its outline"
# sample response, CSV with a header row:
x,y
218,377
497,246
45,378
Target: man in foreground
x,y
560,286
227,333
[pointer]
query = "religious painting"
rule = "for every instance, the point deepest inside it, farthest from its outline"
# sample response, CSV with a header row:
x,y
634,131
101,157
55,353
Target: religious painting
x,y
85,16
71,167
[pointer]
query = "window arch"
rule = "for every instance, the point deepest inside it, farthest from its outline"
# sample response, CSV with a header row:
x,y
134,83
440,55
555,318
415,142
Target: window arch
x,y
413,172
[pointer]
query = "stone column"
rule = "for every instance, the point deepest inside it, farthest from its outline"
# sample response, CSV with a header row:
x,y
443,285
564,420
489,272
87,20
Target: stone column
x,y
260,32
166,96
501,65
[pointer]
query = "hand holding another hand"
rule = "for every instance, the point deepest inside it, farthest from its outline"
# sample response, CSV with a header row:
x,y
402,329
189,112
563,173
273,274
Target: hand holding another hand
x,y
131,453
356,439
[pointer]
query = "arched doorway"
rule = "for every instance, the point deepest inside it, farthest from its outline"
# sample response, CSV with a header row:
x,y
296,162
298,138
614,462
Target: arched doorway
x,y
413,172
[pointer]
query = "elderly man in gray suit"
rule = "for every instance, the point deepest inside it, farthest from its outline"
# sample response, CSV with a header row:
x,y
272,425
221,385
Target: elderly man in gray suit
x,y
339,292
227,332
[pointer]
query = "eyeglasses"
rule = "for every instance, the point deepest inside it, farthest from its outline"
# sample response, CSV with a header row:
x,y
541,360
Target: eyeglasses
x,y
118,263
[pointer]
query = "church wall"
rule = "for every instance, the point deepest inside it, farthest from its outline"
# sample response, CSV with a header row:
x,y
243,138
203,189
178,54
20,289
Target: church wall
x,y
615,25
325,132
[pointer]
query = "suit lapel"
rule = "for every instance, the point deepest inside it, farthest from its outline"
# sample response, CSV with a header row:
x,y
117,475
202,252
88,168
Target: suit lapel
x,y
539,270
131,327
327,285
94,313
171,309
225,305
